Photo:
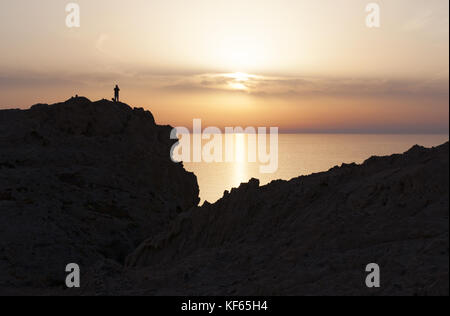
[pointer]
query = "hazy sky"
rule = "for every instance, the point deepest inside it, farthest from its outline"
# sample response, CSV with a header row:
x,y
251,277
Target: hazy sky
x,y
300,65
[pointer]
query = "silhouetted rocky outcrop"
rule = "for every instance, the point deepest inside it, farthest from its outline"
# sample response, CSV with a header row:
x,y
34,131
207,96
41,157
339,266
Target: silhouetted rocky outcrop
x,y
312,235
82,181
93,183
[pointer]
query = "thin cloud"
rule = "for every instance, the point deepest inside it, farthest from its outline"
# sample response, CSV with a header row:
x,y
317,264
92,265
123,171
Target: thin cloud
x,y
255,85
311,87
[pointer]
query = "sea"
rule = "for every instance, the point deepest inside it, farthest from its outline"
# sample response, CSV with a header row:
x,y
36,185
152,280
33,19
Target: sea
x,y
298,155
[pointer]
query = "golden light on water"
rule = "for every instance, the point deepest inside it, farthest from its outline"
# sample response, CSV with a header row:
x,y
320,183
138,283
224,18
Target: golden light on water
x,y
240,147
240,166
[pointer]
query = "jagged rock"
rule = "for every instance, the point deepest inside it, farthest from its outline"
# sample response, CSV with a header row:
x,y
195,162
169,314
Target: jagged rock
x,y
82,182
93,183
312,235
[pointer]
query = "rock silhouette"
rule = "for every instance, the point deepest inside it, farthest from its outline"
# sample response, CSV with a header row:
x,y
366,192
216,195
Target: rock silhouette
x,y
82,181
93,183
313,235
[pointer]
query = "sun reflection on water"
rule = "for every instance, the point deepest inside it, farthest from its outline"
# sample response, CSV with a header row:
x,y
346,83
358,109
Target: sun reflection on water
x,y
240,167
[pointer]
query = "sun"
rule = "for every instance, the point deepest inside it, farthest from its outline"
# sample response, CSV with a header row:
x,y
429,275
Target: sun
x,y
237,86
238,80
240,76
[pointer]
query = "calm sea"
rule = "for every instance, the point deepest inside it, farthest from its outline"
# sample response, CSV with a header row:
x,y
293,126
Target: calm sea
x,y
303,154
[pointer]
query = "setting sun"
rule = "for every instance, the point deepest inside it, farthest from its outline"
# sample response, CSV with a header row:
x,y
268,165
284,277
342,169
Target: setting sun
x,y
240,76
239,80
302,65
223,147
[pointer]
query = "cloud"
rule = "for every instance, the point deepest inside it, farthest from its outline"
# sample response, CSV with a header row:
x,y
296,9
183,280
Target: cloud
x,y
309,87
255,85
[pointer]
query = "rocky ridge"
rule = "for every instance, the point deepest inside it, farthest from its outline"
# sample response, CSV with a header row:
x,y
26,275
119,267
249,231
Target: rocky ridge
x,y
93,183
312,235
83,181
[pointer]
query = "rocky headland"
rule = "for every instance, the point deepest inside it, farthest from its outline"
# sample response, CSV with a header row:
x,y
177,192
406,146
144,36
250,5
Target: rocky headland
x,y
93,183
82,181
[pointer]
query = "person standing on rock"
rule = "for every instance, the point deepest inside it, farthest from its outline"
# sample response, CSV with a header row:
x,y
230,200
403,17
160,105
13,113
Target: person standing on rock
x,y
116,94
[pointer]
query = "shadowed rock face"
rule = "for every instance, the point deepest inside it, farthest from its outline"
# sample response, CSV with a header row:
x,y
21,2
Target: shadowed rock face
x,y
312,235
93,183
82,182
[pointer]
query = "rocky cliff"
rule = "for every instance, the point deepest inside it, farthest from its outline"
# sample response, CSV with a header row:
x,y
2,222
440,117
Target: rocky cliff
x,y
82,182
312,235
93,183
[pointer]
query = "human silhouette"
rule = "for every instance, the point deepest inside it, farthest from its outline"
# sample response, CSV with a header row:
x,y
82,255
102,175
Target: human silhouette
x,y
116,94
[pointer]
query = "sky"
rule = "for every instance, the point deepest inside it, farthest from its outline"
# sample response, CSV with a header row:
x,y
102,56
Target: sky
x,y
303,66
